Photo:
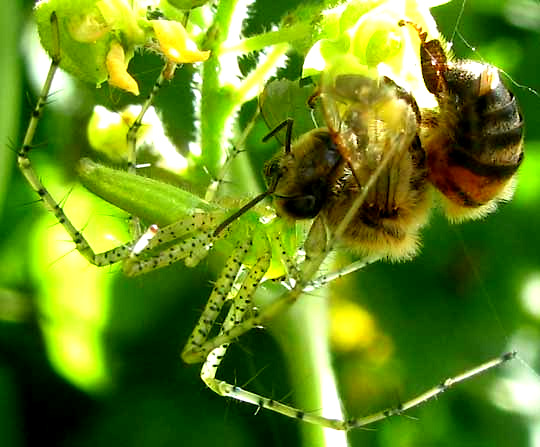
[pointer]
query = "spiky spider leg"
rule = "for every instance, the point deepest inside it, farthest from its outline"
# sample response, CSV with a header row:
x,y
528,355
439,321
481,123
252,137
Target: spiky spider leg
x,y
191,238
231,284
243,287
23,161
166,74
326,278
81,244
225,389
241,305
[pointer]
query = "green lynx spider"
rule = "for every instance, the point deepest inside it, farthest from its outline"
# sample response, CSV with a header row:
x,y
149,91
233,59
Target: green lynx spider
x,y
193,236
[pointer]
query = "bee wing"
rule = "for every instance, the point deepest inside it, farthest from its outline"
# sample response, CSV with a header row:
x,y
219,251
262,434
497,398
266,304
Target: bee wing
x,y
282,99
367,120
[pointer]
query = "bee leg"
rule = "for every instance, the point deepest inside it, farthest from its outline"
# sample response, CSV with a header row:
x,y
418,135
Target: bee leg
x,y
316,243
406,96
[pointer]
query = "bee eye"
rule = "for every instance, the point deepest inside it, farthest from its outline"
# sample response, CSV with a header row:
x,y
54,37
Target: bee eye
x,y
308,203
303,207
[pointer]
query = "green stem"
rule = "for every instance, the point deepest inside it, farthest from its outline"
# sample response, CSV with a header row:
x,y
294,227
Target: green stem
x,y
9,76
255,43
216,101
252,85
302,333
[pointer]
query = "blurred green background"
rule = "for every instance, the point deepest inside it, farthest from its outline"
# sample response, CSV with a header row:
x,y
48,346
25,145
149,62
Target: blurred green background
x,y
92,358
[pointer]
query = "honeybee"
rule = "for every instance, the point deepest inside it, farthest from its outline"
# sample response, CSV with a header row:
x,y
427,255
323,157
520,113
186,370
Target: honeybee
x,y
371,133
469,149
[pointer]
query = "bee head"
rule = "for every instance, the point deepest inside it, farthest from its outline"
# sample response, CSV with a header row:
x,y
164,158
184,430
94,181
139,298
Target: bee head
x,y
300,177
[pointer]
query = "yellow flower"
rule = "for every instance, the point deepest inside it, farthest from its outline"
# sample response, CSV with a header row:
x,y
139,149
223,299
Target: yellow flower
x,y
117,68
176,44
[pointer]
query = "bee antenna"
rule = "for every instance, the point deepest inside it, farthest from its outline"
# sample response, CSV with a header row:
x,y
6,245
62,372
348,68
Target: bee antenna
x,y
421,33
242,210
288,136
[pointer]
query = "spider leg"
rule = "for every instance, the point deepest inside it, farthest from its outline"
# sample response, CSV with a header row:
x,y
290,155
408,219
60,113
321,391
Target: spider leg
x,y
326,278
240,306
191,239
212,350
224,284
52,205
226,389
432,392
131,136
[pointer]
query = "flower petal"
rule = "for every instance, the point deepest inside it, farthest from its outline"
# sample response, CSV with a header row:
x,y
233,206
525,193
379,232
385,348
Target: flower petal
x,y
117,68
176,44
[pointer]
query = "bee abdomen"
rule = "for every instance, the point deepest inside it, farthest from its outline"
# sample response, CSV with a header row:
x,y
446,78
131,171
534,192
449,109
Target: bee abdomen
x,y
465,180
474,142
483,147
490,128
464,159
